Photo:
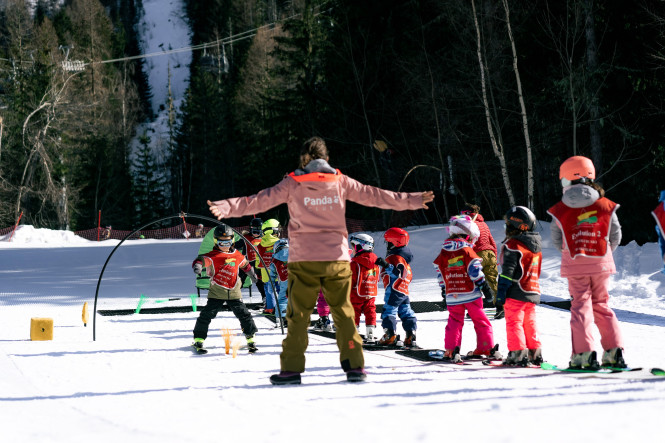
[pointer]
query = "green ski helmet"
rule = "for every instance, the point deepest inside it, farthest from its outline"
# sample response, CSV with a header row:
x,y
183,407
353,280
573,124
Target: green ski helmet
x,y
271,227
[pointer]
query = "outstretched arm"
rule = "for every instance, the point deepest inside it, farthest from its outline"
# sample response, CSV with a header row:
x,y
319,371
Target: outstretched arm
x,y
254,204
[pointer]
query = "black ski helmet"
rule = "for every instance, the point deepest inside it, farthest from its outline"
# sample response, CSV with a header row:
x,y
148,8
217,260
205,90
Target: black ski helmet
x,y
223,233
520,218
255,227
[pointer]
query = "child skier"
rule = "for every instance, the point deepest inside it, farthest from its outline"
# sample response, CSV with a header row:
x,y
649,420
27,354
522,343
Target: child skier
x,y
485,247
364,282
586,231
323,323
519,289
251,240
459,270
279,272
222,265
271,230
396,275
659,215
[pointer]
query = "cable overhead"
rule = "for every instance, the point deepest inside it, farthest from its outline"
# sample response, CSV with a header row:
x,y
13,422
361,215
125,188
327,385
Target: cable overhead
x,y
222,41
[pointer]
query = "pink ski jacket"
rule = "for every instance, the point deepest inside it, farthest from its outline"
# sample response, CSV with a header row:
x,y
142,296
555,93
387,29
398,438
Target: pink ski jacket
x,y
317,207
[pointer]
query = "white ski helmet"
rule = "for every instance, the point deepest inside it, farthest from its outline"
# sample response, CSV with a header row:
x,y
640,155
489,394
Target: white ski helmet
x,y
464,225
362,242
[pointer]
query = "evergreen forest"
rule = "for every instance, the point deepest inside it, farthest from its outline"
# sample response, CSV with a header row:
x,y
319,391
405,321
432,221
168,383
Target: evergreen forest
x,y
477,100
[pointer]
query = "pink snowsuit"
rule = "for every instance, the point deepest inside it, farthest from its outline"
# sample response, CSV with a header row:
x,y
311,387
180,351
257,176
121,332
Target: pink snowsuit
x,y
322,307
459,268
589,267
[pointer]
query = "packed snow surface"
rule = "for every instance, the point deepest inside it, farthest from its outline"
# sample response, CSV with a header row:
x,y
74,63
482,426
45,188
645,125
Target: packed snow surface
x,y
139,381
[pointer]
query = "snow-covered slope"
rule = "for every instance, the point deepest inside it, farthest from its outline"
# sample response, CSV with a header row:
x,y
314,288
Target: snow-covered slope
x,y
139,381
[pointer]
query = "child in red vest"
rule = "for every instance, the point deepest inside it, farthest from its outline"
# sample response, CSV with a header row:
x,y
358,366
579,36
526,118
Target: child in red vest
x,y
586,230
252,239
222,265
279,272
396,276
271,230
364,282
459,270
519,289
659,215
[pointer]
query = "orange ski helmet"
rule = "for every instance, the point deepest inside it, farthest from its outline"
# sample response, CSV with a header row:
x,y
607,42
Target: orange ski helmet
x,y
576,168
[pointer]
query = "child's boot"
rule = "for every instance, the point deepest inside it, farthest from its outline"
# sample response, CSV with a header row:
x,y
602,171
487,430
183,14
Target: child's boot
x,y
584,360
323,323
251,345
517,358
613,358
410,340
452,355
535,356
370,337
389,338
492,354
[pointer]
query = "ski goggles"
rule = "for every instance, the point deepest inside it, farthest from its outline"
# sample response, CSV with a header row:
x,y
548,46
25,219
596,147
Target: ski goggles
x,y
224,243
565,182
272,231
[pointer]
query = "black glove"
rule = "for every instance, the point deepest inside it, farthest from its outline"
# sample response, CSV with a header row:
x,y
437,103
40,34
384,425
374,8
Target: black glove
x,y
487,291
198,268
443,292
500,297
381,262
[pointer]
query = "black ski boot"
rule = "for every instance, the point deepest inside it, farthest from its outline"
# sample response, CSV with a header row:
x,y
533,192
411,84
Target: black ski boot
x,y
285,378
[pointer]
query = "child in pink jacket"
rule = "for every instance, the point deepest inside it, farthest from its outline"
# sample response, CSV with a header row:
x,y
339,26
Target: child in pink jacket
x,y
586,230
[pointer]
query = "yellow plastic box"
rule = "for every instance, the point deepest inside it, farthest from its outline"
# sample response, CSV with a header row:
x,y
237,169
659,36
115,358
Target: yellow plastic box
x,y
41,328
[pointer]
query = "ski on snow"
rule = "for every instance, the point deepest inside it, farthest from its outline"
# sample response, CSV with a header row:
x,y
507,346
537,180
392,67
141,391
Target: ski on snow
x,y
602,370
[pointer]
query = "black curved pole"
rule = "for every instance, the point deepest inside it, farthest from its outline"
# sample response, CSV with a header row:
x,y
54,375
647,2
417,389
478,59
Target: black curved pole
x,y
183,215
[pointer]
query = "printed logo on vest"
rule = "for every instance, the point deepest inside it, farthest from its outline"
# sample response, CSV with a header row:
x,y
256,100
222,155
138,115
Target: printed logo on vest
x,y
587,217
456,262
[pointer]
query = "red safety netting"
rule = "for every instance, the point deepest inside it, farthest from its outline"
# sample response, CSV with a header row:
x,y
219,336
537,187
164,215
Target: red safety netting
x,y
4,231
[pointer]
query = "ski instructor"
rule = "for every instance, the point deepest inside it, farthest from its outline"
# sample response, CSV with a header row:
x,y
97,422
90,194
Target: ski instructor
x,y
316,196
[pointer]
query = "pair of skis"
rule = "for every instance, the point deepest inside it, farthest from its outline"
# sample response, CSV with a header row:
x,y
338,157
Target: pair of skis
x,y
439,355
